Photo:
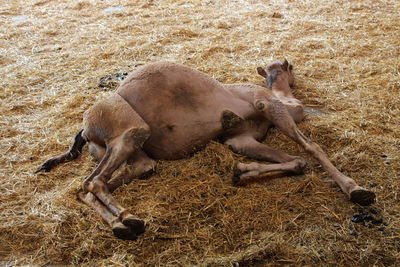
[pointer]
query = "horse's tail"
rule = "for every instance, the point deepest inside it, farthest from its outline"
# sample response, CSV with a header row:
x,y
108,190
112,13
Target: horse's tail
x,y
70,155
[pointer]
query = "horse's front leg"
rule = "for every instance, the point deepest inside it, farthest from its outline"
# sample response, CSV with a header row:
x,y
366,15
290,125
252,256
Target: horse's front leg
x,y
246,145
276,113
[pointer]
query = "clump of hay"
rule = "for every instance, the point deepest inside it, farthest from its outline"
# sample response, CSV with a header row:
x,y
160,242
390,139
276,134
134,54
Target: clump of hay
x,y
53,54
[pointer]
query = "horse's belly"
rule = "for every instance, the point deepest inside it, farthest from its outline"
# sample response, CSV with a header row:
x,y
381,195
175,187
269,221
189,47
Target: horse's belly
x,y
180,141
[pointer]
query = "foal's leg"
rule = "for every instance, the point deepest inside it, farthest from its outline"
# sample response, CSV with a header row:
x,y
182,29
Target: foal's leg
x,y
112,123
118,151
140,165
131,227
248,146
276,112
97,151
119,229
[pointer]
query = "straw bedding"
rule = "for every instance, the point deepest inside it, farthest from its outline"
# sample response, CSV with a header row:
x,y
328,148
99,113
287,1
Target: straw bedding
x,y
346,57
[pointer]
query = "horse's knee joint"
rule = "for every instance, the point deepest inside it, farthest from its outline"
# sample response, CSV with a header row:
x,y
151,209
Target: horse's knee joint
x,y
95,185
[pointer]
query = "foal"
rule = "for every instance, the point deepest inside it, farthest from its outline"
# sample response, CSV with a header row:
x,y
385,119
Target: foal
x,y
168,111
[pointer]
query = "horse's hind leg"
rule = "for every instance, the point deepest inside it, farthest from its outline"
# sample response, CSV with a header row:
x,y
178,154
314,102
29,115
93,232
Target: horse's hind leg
x,y
115,124
118,151
119,229
138,166
96,151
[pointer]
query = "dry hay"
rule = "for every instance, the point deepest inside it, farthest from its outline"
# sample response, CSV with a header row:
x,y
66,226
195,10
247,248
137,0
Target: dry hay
x,y
346,56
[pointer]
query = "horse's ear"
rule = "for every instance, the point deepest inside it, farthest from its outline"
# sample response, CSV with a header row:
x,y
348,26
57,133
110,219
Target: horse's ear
x,y
285,65
262,72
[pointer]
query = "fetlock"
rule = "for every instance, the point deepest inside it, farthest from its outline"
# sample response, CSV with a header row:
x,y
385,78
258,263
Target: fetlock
x,y
300,165
124,214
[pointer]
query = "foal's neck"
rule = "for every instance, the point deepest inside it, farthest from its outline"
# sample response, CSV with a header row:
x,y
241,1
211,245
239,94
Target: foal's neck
x,y
281,89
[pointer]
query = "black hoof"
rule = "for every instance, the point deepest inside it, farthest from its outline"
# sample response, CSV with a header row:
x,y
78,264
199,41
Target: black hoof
x,y
362,197
124,232
137,226
236,176
146,174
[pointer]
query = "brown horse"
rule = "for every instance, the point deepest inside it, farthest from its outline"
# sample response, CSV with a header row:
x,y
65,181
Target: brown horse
x,y
168,111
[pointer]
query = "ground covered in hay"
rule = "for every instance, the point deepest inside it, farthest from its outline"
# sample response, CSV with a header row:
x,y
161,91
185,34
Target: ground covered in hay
x,y
347,62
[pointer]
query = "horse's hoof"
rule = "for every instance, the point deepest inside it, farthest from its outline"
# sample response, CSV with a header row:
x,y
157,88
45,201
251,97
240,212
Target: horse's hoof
x,y
123,232
236,176
146,174
362,197
137,226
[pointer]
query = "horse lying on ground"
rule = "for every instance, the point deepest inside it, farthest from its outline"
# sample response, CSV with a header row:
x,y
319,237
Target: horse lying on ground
x,y
168,111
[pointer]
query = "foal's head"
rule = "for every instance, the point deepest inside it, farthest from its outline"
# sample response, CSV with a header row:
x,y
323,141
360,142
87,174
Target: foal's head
x,y
278,72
